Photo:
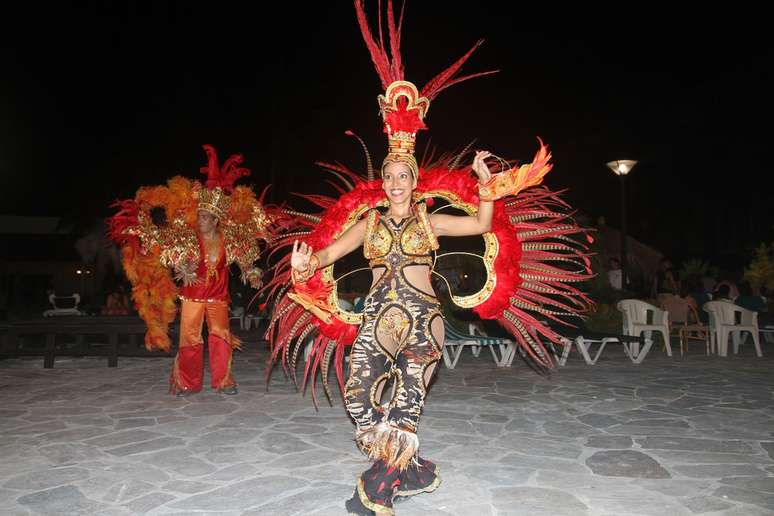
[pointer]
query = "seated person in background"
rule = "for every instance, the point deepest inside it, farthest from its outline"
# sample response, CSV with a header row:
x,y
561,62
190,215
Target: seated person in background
x,y
117,302
766,317
733,291
722,293
666,281
700,296
747,299
685,295
681,307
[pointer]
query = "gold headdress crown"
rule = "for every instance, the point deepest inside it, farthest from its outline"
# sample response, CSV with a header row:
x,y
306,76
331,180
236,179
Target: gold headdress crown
x,y
403,110
214,200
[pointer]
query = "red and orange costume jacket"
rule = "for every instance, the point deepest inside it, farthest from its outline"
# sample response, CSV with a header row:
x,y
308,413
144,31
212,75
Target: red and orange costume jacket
x,y
213,284
151,250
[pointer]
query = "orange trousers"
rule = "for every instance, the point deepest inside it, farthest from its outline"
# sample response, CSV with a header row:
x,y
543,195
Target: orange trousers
x,y
188,369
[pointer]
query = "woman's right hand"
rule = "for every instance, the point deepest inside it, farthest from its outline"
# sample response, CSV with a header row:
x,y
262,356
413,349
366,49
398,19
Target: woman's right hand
x,y
299,260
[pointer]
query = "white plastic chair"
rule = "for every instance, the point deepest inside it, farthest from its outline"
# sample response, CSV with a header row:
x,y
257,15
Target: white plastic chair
x,y
722,315
636,320
238,313
253,320
58,309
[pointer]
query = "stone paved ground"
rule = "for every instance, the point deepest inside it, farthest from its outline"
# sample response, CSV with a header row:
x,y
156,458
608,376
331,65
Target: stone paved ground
x,y
668,437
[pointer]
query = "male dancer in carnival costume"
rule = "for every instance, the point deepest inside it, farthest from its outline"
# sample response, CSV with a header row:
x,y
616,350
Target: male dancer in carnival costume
x,y
397,342
212,225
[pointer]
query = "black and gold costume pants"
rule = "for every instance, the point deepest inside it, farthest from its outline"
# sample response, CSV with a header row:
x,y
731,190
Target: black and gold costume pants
x,y
399,343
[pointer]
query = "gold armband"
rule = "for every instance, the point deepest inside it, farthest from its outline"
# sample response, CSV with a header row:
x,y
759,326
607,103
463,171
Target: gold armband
x,y
485,191
513,181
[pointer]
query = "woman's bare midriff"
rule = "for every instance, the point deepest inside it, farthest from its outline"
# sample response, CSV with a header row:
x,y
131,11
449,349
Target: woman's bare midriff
x,y
418,276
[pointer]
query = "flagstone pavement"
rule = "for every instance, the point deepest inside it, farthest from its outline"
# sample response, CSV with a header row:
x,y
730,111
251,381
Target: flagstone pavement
x,y
671,436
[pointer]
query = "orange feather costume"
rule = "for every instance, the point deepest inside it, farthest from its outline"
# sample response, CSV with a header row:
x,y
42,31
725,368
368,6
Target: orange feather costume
x,y
150,252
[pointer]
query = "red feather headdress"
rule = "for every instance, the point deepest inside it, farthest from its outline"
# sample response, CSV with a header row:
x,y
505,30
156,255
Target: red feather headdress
x,y
403,107
215,196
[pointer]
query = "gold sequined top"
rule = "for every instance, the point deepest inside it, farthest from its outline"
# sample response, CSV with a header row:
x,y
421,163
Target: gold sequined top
x,y
411,241
179,245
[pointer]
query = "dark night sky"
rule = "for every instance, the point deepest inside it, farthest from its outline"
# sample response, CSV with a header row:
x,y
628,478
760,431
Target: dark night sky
x,y
97,100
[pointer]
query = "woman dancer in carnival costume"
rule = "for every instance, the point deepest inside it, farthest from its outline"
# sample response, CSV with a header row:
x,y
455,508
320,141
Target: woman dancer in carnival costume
x,y
210,227
398,339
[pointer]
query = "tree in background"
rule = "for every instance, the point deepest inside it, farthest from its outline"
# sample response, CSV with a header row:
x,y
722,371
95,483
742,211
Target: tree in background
x,y
760,272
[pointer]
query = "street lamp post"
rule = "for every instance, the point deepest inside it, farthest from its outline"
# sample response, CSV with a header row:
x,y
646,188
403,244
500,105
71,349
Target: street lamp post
x,y
621,168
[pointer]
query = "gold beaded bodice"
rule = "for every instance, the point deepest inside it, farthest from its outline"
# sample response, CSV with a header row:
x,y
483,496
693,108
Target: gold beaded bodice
x,y
408,242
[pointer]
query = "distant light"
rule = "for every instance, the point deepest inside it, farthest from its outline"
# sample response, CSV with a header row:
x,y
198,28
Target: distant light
x,y
621,167
79,271
88,271
465,276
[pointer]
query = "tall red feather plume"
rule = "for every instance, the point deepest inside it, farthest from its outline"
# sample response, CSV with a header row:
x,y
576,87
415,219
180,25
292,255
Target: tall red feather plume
x,y
126,217
384,68
446,78
223,177
390,67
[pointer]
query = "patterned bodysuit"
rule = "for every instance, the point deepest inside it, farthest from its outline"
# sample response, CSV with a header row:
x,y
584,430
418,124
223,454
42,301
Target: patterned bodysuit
x,y
394,344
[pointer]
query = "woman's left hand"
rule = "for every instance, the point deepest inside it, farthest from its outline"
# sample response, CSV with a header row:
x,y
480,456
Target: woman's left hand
x,y
480,167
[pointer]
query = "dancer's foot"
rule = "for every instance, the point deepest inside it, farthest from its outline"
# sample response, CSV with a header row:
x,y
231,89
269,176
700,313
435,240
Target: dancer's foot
x,y
230,390
375,489
420,477
355,506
